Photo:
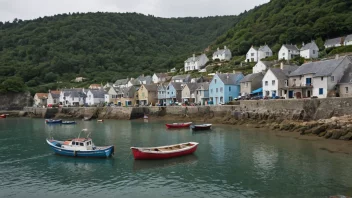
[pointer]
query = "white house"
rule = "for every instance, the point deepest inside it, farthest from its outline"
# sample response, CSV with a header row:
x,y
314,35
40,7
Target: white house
x,y
53,97
224,54
121,83
335,42
95,97
318,78
256,54
40,99
348,40
288,52
262,66
159,77
309,50
196,62
72,97
275,80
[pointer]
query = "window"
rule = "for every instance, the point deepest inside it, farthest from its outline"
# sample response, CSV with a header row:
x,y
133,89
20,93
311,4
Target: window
x,y
172,93
217,90
266,83
283,54
273,82
321,91
286,83
230,98
220,89
346,89
322,78
313,51
81,144
215,81
229,88
267,53
246,84
252,54
77,143
73,143
289,50
211,91
332,78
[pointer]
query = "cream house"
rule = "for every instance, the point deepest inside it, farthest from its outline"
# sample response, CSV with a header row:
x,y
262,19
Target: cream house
x,y
147,94
188,92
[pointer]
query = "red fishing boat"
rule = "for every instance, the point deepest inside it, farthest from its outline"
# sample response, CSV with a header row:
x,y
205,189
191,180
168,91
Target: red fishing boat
x,y
178,125
164,152
3,116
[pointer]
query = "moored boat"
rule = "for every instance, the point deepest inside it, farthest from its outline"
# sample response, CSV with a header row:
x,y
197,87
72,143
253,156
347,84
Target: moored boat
x,y
51,121
178,125
100,120
68,122
164,152
87,119
3,116
201,127
145,117
80,147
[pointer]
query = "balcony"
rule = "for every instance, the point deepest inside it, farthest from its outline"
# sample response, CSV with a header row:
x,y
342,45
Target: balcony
x,y
300,86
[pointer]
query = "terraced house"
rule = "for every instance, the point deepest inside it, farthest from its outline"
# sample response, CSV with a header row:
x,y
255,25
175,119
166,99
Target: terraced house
x,y
173,93
147,95
224,87
202,93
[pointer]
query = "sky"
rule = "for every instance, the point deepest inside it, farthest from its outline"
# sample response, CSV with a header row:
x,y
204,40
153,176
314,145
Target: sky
x,y
31,9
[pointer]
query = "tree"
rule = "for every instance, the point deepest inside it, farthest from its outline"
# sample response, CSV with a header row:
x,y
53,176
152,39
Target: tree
x,y
13,84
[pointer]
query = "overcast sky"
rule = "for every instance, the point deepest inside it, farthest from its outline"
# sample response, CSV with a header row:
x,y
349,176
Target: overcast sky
x,y
31,9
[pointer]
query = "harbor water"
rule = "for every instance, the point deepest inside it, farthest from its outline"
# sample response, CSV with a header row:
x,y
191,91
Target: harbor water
x,y
229,162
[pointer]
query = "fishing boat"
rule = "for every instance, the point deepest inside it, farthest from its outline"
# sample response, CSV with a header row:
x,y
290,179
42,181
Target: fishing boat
x,y
51,121
178,125
68,122
201,127
80,147
2,116
164,152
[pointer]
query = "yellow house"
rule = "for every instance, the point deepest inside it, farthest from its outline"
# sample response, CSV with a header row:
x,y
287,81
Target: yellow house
x,y
147,94
126,96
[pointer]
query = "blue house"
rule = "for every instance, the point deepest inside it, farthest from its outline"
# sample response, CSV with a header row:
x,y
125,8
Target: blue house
x,y
173,93
224,88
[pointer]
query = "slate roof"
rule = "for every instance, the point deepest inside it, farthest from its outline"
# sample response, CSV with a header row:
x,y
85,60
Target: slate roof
x,y
161,75
348,38
55,94
347,77
262,48
333,41
205,86
308,46
98,93
319,68
280,75
251,77
182,77
291,47
192,86
121,82
177,86
151,87
193,59
135,82
230,79
268,63
148,79
221,51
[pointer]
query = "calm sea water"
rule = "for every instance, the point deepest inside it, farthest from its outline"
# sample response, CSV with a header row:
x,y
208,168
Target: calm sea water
x,y
228,163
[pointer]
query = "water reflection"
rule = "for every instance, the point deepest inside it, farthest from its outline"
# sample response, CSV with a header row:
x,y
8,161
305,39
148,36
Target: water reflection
x,y
139,165
73,164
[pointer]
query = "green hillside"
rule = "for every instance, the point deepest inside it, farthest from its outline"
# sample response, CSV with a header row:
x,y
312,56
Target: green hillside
x,y
289,21
99,46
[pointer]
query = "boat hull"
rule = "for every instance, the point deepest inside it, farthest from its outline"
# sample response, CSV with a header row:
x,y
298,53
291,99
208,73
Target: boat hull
x,y
177,126
103,153
200,128
66,123
3,116
53,121
140,155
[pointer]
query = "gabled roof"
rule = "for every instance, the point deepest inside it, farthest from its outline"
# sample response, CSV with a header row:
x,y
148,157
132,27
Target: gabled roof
x,y
192,86
319,68
230,78
161,75
205,86
347,76
333,41
55,94
291,47
148,79
98,93
309,46
121,81
193,59
278,73
182,77
221,51
42,95
267,63
134,82
348,38
262,48
151,87
177,86
251,77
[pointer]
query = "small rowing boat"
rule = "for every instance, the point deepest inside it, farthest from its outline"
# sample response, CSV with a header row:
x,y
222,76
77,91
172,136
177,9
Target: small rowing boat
x,y
201,127
145,117
2,116
164,152
100,120
51,121
178,125
68,122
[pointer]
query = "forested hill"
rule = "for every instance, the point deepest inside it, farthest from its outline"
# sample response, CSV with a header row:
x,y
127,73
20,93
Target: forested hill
x,y
101,46
289,21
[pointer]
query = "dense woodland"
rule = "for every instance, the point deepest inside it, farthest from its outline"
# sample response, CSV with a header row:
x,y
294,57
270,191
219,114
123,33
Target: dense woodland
x,y
36,54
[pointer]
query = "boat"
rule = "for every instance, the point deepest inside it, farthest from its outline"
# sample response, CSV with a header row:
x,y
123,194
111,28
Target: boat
x,y
100,120
2,116
86,119
164,152
68,122
178,125
145,117
201,127
80,147
51,121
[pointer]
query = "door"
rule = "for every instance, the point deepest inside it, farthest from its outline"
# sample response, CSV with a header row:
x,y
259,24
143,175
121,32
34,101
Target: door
x,y
290,94
308,81
298,95
273,94
308,93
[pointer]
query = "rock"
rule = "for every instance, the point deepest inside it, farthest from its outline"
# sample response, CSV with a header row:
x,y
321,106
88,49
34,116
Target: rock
x,y
317,130
322,134
344,132
328,134
348,136
336,134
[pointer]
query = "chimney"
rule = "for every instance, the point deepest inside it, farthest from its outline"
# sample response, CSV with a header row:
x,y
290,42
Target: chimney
x,y
302,44
49,91
225,47
194,55
282,65
218,49
234,71
337,56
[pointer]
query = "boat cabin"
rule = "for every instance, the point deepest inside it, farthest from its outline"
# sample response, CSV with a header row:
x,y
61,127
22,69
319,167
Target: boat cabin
x,y
79,144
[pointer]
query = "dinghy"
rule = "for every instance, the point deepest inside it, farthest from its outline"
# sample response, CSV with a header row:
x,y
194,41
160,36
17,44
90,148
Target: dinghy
x,y
51,121
201,127
68,122
164,152
178,125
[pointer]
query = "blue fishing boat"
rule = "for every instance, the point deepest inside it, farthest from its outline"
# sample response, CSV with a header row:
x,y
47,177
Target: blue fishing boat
x,y
51,121
80,147
68,122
